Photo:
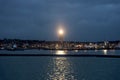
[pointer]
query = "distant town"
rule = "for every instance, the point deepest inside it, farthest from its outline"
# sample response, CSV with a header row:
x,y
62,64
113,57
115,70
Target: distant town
x,y
18,44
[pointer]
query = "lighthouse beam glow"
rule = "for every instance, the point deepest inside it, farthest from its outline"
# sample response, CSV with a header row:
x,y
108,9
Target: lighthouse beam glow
x,y
61,32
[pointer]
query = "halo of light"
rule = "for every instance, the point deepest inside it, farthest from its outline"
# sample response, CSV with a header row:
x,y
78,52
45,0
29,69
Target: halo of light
x,y
61,32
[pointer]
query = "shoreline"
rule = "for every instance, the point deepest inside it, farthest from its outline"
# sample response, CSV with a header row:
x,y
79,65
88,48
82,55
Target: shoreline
x,y
59,49
68,55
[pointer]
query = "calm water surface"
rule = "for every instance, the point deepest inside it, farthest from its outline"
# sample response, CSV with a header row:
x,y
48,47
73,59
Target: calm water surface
x,y
59,68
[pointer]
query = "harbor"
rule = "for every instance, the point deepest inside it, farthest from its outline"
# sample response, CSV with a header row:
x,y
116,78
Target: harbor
x,y
17,44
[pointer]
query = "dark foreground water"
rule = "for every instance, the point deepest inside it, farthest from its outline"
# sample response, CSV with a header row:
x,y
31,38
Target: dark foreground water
x,y
59,68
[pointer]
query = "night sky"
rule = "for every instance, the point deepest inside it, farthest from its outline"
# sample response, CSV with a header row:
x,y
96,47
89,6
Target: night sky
x,y
83,20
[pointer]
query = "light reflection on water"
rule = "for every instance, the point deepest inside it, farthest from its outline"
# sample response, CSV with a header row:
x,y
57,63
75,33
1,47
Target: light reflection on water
x,y
60,52
105,52
60,69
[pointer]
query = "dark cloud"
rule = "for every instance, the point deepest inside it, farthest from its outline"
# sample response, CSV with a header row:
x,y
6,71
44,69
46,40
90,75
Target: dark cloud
x,y
85,20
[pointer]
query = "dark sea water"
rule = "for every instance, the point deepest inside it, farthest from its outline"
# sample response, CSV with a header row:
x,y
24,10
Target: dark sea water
x,y
59,68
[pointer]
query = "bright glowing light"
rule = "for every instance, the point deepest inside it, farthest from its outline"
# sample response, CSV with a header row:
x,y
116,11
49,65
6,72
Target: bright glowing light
x,y
61,32
60,52
105,52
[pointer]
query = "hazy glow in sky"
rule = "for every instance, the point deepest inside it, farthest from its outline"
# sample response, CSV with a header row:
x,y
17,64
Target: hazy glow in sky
x,y
84,20
61,32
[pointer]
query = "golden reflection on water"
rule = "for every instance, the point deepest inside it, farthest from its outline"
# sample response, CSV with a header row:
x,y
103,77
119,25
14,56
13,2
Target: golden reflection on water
x,y
60,69
60,52
105,52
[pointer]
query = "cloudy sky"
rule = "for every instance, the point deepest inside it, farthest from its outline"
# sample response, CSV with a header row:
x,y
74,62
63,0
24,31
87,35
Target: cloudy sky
x,y
83,20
